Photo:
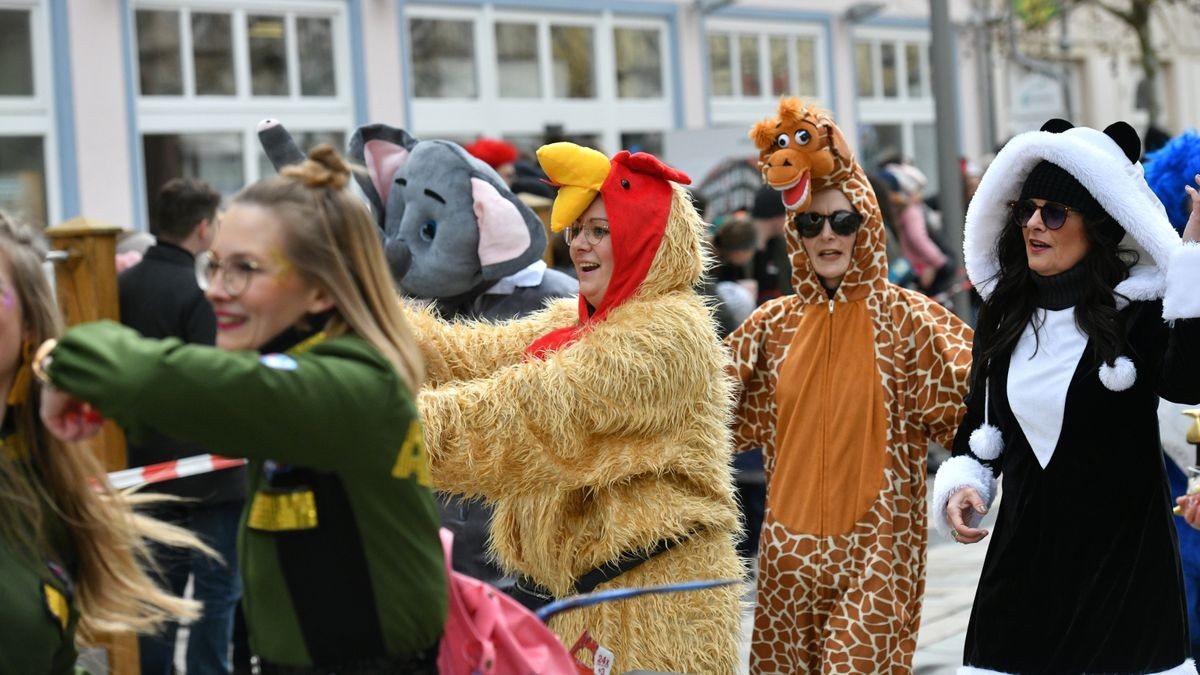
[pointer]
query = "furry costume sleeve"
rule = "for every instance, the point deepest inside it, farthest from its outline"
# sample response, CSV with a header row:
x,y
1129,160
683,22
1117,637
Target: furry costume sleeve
x,y
589,414
472,349
754,409
947,359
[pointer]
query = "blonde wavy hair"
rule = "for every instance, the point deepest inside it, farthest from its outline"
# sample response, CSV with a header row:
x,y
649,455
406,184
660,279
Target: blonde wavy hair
x,y
333,242
42,478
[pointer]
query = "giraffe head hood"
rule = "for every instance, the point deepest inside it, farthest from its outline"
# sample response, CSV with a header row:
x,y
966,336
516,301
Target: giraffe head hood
x,y
802,134
655,231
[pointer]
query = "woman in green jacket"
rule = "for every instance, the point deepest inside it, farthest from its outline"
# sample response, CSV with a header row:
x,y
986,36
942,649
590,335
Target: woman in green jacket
x,y
313,380
72,552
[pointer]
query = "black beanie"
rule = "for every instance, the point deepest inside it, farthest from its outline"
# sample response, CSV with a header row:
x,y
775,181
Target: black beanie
x,y
1050,182
768,203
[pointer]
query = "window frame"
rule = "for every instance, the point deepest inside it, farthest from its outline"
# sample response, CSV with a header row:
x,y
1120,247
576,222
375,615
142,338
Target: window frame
x,y
36,115
664,75
899,39
191,113
605,114
903,110
336,12
738,108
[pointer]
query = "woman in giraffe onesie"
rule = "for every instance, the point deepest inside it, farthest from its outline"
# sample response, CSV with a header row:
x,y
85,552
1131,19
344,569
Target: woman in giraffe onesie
x,y
842,385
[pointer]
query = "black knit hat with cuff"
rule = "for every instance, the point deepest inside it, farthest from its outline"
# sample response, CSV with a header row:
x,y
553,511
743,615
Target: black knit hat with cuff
x,y
1050,182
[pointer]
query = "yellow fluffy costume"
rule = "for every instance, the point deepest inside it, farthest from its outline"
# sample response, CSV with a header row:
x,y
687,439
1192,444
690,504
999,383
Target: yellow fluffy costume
x,y
598,432
842,393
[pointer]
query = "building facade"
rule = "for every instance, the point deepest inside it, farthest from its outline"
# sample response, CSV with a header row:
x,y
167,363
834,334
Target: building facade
x,y
102,101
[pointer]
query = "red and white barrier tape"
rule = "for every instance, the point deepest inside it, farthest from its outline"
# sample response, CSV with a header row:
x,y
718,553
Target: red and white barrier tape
x,y
164,471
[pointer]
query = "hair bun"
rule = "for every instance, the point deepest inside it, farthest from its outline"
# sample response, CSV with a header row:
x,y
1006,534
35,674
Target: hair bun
x,y
324,168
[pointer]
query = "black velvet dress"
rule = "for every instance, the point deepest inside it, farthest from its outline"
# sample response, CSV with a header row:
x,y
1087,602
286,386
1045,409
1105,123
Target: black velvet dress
x,y
1083,574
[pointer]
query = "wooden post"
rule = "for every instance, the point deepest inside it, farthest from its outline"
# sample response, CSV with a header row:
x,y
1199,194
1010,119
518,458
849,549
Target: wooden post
x,y
542,206
84,253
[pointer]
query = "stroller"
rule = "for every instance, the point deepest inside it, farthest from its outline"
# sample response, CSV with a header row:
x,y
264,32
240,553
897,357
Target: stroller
x,y
488,632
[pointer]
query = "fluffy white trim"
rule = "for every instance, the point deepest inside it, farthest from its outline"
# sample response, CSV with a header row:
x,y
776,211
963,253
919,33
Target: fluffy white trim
x,y
986,442
955,473
1182,300
1099,165
1188,667
1120,375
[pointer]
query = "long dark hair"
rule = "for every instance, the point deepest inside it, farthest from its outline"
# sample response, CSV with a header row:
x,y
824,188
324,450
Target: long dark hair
x,y
1004,315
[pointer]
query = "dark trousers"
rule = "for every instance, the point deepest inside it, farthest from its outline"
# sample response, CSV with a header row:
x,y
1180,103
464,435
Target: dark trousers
x,y
215,584
752,497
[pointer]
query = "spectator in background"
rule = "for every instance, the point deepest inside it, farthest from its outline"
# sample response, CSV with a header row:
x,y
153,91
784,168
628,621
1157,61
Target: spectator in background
x,y
734,245
521,173
899,269
725,315
131,246
1155,139
930,263
497,154
160,298
772,266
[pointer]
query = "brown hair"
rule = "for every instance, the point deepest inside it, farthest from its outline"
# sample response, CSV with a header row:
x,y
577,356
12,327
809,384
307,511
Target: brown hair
x,y
180,206
333,242
113,591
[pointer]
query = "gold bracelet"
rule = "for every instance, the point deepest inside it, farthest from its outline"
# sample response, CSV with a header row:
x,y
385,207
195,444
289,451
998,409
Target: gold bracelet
x,y
42,360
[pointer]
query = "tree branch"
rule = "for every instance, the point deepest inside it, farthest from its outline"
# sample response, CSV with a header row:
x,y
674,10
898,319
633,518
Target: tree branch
x,y
1123,15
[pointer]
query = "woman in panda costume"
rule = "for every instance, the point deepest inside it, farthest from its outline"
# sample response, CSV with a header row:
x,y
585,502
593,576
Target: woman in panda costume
x,y
1089,311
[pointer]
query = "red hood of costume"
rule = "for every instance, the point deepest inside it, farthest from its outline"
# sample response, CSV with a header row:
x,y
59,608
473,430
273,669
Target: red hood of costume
x,y
637,196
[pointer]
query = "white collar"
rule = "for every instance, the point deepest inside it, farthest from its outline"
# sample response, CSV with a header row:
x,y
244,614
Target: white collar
x,y
529,277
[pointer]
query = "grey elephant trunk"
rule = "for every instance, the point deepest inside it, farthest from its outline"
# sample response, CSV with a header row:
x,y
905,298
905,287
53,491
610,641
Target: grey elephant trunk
x,y
399,258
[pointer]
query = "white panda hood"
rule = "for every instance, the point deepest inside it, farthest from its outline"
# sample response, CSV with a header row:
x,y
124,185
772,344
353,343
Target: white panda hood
x,y
1106,164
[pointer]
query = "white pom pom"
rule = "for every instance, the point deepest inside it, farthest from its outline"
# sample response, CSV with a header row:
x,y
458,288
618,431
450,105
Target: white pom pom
x,y
986,442
1120,375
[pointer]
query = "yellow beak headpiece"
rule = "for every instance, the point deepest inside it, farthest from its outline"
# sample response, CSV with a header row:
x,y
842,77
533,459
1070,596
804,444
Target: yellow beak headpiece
x,y
579,172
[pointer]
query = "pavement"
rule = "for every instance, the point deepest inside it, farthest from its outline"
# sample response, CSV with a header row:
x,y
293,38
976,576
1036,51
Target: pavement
x,y
951,575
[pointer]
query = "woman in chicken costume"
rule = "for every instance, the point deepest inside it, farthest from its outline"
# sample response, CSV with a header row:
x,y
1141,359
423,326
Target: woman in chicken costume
x,y
599,429
842,385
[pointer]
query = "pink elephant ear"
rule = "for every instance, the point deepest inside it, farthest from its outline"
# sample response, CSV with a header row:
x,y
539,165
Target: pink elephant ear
x,y
503,233
382,159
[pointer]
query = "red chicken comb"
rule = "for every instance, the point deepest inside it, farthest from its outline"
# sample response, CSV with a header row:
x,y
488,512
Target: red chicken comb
x,y
644,162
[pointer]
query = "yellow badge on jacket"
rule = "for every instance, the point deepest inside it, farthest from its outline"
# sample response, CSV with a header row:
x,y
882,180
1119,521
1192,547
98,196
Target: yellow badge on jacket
x,y
57,603
283,511
413,460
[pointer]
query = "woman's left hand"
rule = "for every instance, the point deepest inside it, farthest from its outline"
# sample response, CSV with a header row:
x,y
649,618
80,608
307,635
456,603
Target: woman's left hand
x,y
1192,231
68,418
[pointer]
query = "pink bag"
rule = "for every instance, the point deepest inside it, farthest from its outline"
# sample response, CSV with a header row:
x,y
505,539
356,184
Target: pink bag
x,y
488,632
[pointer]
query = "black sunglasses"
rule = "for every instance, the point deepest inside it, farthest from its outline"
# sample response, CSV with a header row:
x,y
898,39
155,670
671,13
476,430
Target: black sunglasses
x,y
1054,215
842,223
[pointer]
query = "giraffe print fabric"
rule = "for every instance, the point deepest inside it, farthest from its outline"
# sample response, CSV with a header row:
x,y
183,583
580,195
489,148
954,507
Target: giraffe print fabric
x,y
843,392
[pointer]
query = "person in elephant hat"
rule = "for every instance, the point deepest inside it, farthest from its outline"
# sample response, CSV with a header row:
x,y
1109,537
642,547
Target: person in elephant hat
x,y
1089,315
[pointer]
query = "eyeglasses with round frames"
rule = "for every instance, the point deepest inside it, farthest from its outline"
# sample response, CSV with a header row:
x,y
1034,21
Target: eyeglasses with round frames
x,y
594,230
235,273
